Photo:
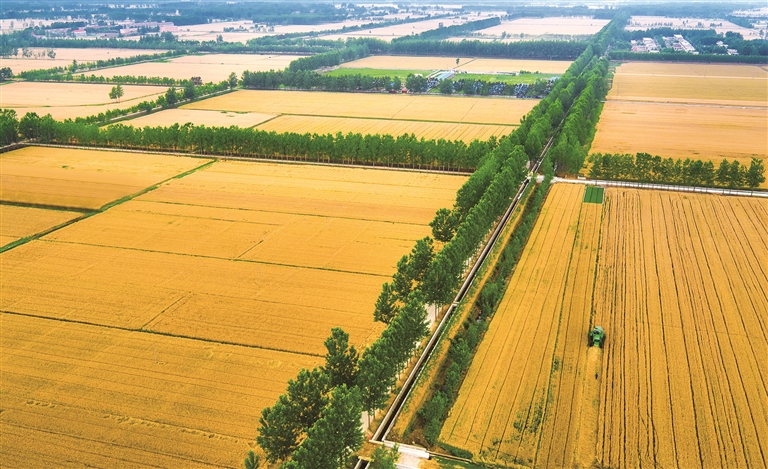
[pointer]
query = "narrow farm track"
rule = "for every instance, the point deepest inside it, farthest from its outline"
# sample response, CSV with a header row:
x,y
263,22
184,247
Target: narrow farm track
x,y
681,291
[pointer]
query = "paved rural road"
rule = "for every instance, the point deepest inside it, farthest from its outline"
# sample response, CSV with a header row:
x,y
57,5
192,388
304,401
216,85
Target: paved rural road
x,y
663,187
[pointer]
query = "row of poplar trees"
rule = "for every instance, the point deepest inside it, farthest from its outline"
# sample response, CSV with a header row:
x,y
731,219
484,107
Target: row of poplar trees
x,y
291,430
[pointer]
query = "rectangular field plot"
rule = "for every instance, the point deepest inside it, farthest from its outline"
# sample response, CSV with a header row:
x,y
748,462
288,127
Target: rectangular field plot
x,y
471,65
561,25
680,131
740,85
271,244
473,110
681,292
169,117
678,282
70,100
345,125
84,395
19,222
83,179
209,67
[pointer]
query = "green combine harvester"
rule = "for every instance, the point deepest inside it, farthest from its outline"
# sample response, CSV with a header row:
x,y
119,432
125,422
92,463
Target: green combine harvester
x,y
596,337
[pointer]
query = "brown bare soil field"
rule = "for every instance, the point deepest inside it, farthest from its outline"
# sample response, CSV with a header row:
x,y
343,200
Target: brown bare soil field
x,y
209,67
429,130
72,178
562,25
528,365
157,330
680,131
679,283
681,291
85,395
475,110
169,117
19,222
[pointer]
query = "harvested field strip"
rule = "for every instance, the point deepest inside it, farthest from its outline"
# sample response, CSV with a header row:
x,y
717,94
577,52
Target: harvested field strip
x,y
499,411
102,396
428,130
570,421
18,222
497,111
80,179
693,69
681,290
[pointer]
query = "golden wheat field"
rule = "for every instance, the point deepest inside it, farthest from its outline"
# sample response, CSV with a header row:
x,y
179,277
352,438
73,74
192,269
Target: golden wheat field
x,y
474,110
209,67
85,395
534,348
63,177
19,222
679,131
71,100
697,111
156,330
169,117
739,85
678,283
681,291
345,125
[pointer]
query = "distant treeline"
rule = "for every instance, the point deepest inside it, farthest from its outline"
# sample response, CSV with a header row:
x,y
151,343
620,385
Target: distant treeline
x,y
55,73
643,167
454,30
548,50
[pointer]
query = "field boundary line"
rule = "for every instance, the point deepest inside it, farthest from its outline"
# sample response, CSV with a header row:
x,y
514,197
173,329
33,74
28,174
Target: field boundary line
x,y
392,119
228,259
103,208
164,334
317,215
713,104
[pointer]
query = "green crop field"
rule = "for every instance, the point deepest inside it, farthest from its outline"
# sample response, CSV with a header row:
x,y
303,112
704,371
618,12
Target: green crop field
x,y
376,72
593,195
